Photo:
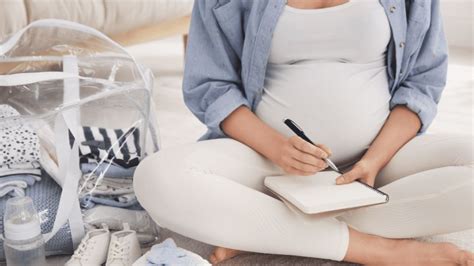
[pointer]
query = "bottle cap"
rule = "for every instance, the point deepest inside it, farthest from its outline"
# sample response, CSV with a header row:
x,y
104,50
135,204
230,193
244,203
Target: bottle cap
x,y
21,221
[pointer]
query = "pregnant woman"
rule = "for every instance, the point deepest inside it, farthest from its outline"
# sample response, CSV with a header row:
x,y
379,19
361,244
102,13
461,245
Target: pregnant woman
x,y
363,78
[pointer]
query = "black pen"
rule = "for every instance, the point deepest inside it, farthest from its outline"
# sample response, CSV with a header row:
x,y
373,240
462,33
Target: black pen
x,y
298,131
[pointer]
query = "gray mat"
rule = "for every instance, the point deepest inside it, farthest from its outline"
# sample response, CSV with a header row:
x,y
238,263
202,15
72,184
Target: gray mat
x,y
463,239
204,250
245,259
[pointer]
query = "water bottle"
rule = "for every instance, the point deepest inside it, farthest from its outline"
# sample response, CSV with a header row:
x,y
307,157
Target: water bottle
x,y
24,243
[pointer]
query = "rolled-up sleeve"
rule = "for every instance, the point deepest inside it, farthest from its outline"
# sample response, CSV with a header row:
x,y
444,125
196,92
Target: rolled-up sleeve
x,y
212,86
422,88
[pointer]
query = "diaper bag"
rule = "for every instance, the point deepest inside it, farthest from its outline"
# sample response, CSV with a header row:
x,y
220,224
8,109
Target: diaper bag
x,y
76,118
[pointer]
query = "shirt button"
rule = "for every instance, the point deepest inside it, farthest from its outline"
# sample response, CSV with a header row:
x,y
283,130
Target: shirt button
x,y
392,9
402,45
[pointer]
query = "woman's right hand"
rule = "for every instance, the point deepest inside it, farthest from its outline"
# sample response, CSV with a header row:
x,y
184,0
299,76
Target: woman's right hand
x,y
299,157
294,155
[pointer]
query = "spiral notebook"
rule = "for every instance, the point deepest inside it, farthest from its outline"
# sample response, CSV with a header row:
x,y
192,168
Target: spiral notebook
x,y
319,193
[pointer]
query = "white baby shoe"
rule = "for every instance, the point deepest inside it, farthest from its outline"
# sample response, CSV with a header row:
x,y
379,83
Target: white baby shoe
x,y
114,217
124,248
92,250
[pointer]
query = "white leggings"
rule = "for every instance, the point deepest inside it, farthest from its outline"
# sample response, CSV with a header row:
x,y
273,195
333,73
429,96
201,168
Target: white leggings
x,y
213,191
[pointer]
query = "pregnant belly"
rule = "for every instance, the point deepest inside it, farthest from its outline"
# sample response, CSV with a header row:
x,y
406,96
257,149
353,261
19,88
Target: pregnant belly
x,y
341,105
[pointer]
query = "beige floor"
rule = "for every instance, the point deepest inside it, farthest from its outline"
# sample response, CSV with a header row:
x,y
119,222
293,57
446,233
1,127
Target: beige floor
x,y
178,126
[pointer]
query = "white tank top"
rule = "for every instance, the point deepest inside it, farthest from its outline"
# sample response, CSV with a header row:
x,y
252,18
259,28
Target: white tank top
x,y
327,72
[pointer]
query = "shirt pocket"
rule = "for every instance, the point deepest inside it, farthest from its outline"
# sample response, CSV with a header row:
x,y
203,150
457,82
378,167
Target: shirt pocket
x,y
225,11
229,18
420,12
419,20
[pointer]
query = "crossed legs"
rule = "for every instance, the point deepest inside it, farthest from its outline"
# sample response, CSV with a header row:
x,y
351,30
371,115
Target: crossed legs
x,y
213,191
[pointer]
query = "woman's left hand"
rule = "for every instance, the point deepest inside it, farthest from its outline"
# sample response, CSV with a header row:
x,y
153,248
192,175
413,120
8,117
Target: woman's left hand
x,y
363,171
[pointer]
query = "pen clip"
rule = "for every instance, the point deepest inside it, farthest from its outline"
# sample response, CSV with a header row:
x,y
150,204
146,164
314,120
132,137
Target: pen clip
x,y
292,123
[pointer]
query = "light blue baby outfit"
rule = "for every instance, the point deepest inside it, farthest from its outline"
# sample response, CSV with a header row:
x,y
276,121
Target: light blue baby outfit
x,y
167,253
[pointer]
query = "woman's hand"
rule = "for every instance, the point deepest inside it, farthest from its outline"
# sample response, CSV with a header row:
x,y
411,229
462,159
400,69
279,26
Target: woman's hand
x,y
298,157
293,155
363,170
401,126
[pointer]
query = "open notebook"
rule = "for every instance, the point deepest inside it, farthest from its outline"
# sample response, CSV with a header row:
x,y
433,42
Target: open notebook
x,y
319,193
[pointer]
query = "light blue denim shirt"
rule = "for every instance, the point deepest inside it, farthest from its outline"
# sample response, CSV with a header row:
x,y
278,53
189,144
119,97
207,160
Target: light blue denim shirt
x,y
229,46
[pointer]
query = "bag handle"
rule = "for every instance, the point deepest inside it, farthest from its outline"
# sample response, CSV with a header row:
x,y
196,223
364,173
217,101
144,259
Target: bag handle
x,y
59,23
68,159
73,119
69,122
30,78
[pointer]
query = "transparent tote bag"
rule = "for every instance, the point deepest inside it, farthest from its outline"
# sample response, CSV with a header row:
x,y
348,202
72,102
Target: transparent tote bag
x,y
75,111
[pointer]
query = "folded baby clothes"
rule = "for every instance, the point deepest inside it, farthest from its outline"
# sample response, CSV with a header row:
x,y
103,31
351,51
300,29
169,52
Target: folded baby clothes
x,y
15,185
31,168
108,169
120,146
19,146
29,179
90,184
13,189
115,192
50,165
88,201
167,253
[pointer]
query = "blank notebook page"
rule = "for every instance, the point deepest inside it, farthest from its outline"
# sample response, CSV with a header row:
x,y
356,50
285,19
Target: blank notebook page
x,y
319,192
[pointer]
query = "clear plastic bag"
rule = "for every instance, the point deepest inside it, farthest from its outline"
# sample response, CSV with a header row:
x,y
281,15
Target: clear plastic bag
x,y
76,117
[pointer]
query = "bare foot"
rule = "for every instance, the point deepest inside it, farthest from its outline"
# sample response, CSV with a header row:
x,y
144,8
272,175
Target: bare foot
x,y
221,254
412,252
374,250
383,251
